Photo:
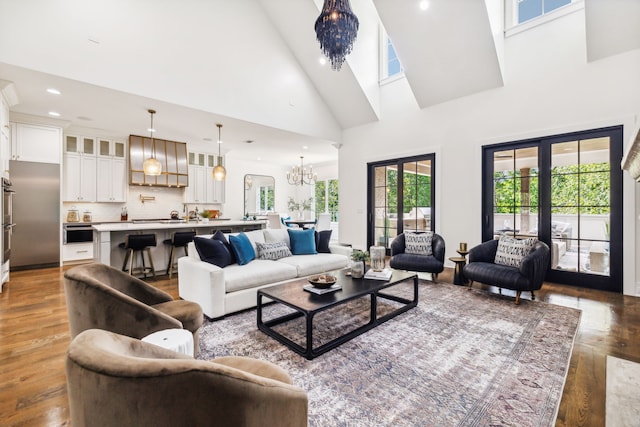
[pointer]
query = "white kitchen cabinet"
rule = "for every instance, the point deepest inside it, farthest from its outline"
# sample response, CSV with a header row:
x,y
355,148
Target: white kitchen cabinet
x,y
197,159
79,144
111,179
196,191
77,252
111,148
202,187
36,143
79,178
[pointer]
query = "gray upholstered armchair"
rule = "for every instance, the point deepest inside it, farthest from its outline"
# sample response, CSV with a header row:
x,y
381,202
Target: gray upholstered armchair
x,y
117,380
102,297
412,262
528,277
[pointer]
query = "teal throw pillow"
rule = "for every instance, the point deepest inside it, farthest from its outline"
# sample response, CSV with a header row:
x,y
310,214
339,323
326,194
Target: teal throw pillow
x,y
242,248
303,242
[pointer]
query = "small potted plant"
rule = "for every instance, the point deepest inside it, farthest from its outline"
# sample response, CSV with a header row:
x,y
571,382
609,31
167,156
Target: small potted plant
x,y
357,266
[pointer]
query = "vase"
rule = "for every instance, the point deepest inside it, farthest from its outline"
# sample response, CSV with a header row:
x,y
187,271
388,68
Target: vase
x,y
357,269
377,254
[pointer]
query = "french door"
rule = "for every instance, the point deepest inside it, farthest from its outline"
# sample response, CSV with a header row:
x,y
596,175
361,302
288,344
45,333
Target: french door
x,y
567,191
400,198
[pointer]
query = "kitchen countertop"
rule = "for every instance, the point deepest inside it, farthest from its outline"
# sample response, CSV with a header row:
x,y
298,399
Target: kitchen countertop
x,y
168,225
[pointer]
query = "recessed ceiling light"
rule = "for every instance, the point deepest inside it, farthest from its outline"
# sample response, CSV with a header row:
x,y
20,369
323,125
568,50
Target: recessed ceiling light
x,y
304,147
259,158
424,5
151,130
322,60
54,114
54,91
249,141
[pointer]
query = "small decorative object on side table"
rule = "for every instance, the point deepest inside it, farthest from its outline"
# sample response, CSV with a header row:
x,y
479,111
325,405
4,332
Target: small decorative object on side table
x,y
463,250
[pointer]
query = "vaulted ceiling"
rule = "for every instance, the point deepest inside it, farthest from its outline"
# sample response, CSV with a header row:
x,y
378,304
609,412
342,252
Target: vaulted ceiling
x,y
252,65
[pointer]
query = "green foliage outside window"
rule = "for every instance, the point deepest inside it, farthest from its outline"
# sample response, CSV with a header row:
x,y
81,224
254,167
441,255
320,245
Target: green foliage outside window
x,y
266,198
417,191
583,189
333,199
326,195
321,198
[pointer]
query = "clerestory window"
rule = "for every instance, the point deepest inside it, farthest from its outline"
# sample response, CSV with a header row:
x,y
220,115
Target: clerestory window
x,y
529,9
390,66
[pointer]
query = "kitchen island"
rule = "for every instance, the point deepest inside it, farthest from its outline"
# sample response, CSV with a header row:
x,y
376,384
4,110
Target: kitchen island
x,y
107,237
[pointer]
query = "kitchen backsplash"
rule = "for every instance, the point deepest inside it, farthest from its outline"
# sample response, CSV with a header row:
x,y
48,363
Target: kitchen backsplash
x,y
166,200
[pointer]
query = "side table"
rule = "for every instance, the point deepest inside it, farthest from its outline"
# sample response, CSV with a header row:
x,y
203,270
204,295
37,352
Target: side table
x,y
462,253
458,277
178,340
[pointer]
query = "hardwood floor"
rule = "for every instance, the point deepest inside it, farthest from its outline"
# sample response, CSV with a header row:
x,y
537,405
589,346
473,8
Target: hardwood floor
x,y
34,336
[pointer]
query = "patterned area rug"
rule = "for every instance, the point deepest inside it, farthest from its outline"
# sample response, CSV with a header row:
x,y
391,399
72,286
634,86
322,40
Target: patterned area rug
x,y
460,358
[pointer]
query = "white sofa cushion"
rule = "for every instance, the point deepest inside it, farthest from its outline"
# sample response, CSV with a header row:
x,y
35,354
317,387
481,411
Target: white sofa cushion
x,y
314,264
255,236
277,235
257,272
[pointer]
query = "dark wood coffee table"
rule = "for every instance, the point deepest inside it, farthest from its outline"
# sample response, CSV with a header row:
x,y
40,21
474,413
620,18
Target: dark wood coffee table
x,y
307,304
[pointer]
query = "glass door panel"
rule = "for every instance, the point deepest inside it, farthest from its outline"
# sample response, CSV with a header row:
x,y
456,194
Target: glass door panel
x,y
580,206
385,210
416,196
515,191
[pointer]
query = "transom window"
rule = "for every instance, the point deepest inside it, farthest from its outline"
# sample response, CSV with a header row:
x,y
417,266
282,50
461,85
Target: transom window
x,y
529,9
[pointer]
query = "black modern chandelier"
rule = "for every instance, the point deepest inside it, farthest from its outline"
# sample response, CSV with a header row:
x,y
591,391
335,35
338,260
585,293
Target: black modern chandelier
x,y
336,30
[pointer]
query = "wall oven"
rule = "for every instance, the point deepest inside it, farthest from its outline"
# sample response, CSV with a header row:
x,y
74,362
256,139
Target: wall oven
x,y
77,233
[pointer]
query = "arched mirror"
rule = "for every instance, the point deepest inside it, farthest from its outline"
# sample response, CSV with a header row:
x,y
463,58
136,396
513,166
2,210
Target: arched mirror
x,y
259,194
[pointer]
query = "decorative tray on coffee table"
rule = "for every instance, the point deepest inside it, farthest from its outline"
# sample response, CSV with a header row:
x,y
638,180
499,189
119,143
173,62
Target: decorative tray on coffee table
x,y
322,284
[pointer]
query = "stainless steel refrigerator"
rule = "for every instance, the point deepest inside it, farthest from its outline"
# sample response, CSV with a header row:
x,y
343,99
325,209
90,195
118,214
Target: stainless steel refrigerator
x,y
35,241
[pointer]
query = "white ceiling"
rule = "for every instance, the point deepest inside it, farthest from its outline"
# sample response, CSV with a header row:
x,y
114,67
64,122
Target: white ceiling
x,y
252,65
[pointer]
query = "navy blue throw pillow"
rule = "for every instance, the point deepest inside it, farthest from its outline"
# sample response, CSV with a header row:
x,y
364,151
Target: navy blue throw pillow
x,y
212,251
242,248
322,241
219,235
303,242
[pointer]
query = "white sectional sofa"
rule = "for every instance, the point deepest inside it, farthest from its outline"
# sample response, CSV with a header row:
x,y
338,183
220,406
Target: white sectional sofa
x,y
220,291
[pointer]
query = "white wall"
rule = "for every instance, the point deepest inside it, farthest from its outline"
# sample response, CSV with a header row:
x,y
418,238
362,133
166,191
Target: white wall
x,y
549,89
